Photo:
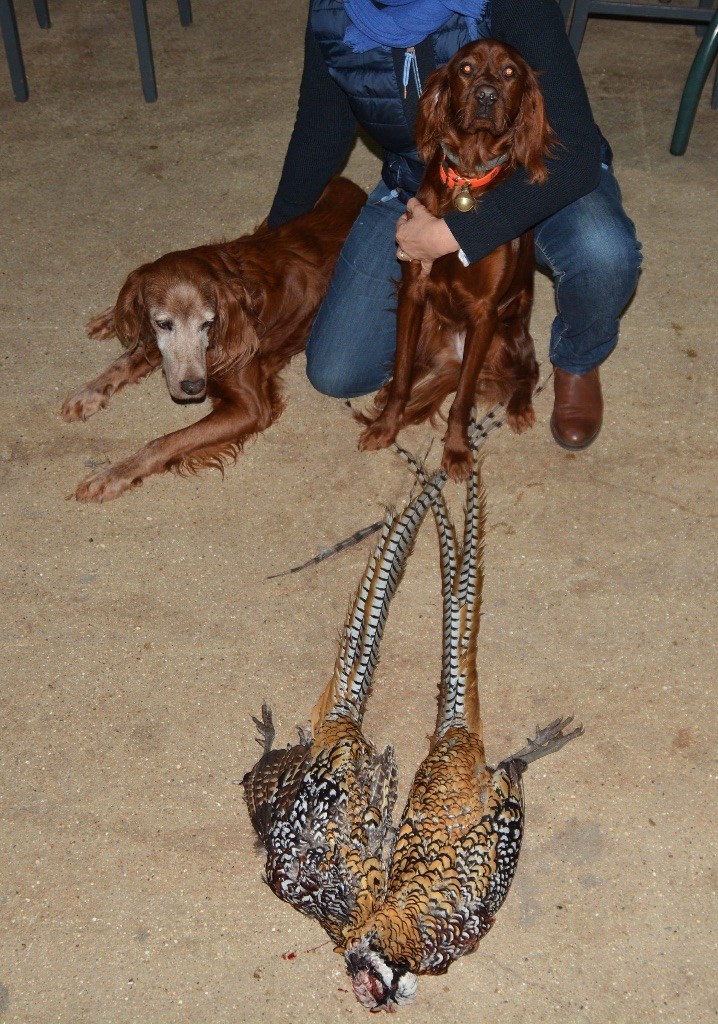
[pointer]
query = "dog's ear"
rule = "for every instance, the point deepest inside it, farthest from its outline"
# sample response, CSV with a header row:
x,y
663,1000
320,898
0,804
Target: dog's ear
x,y
532,134
432,122
131,319
236,332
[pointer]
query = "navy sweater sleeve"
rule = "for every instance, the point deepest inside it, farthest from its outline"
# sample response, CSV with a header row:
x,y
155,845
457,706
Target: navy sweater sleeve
x,y
324,130
535,28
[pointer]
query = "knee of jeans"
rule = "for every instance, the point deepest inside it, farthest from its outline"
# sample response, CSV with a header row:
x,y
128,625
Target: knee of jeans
x,y
329,378
610,265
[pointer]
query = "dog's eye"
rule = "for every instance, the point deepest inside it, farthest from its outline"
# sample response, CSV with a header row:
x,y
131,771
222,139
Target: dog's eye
x,y
509,72
164,325
466,69
206,325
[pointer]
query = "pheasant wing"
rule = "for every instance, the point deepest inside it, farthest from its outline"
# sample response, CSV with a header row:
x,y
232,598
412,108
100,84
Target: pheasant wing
x,y
325,845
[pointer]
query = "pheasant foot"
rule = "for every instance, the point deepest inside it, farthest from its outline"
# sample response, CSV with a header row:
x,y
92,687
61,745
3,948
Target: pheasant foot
x,y
266,728
546,741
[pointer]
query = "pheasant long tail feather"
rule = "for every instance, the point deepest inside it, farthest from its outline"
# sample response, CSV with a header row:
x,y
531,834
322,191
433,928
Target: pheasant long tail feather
x,y
356,618
447,562
386,578
450,607
349,688
459,691
461,592
470,590
451,619
336,690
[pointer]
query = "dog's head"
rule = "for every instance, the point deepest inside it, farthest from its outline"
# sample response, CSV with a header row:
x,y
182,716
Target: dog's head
x,y
188,310
486,100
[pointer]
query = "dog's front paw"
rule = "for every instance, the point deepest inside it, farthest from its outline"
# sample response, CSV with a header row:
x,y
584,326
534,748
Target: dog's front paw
x,y
83,403
521,417
379,434
457,462
107,484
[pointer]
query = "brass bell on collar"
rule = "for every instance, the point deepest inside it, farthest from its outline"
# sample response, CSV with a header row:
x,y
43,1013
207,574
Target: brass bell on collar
x,y
464,202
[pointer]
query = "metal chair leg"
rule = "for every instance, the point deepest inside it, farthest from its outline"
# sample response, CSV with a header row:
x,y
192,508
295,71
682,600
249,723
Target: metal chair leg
x,y
144,49
42,13
565,6
11,41
185,11
707,52
701,29
138,8
578,25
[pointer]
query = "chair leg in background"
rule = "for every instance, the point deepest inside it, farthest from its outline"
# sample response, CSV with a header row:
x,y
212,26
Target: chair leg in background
x,y
702,29
707,52
185,11
42,13
144,49
565,7
578,25
11,41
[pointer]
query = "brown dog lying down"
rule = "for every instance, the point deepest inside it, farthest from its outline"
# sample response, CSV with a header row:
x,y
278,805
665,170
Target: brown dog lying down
x,y
466,329
222,321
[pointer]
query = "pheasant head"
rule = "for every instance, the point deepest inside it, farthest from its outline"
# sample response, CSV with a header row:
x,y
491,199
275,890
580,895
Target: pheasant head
x,y
378,983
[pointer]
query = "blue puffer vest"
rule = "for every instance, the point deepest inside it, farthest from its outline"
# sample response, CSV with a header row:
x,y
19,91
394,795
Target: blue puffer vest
x,y
370,83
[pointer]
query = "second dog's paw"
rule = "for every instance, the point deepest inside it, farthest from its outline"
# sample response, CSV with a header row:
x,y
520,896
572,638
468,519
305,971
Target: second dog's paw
x,y
106,484
458,463
82,404
377,435
520,419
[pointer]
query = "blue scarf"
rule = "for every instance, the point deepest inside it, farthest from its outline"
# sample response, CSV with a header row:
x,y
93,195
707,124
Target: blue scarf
x,y
401,23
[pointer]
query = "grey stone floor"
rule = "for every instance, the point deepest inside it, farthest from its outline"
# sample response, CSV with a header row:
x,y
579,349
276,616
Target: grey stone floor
x,y
140,636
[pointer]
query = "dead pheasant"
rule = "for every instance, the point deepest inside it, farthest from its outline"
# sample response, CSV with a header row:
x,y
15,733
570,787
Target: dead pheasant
x,y
322,808
459,838
397,904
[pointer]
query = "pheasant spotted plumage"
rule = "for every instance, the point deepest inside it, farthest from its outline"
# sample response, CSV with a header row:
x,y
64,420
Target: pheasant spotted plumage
x,y
408,901
323,808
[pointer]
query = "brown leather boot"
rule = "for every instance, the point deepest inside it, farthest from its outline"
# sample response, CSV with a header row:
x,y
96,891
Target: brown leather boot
x,y
577,409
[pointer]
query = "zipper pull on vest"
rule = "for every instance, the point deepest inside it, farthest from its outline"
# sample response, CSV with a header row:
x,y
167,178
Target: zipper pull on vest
x,y
411,66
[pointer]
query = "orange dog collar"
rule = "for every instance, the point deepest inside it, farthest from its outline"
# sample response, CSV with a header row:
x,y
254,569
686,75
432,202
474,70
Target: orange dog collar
x,y
452,178
464,201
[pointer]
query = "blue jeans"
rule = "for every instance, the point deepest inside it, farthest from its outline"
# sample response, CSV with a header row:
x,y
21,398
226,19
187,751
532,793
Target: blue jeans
x,y
589,247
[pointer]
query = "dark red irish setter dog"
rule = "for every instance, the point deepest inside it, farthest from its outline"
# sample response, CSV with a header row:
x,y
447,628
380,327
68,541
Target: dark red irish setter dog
x,y
222,321
466,329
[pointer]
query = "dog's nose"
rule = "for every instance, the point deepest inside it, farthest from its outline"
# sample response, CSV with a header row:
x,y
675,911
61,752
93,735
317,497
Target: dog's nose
x,y
487,95
193,387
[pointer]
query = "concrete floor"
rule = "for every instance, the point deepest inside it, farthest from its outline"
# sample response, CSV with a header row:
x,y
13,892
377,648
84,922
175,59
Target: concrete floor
x,y
140,636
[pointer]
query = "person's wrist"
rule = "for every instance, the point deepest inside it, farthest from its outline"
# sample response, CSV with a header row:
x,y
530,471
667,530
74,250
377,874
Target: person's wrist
x,y
446,242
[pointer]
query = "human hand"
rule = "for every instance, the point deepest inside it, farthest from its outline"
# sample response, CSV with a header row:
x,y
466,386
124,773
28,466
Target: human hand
x,y
423,237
